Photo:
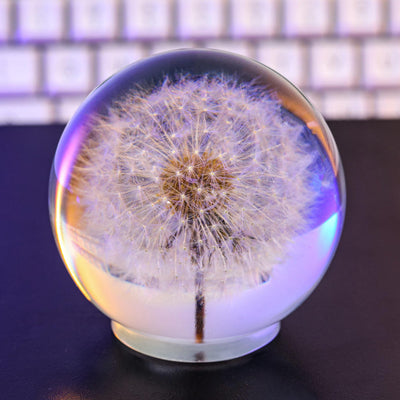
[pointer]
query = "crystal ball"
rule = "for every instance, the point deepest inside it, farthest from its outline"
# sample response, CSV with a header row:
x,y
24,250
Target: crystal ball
x,y
197,198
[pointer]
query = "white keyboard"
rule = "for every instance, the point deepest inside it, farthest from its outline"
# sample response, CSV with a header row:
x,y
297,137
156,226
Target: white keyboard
x,y
344,54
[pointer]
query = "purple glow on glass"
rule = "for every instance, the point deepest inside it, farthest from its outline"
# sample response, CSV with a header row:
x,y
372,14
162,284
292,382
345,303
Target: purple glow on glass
x,y
328,234
65,156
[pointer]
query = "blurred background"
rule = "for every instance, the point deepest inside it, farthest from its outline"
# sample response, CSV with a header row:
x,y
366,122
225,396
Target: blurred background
x,y
344,54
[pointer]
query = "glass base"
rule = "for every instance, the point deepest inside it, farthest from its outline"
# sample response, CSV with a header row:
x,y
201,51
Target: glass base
x,y
187,351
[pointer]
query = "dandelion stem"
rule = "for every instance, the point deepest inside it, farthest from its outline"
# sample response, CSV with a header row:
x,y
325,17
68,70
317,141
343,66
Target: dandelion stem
x,y
197,250
200,306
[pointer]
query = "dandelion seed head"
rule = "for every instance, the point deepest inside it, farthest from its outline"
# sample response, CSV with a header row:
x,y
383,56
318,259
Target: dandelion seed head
x,y
203,168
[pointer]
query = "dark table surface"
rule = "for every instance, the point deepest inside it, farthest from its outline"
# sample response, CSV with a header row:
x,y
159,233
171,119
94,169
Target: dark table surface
x,y
342,343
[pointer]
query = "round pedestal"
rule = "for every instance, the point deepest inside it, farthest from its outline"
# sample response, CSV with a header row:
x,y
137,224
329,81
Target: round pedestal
x,y
187,351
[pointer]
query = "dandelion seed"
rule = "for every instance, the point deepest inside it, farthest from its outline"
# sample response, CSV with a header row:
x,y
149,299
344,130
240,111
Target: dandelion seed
x,y
207,192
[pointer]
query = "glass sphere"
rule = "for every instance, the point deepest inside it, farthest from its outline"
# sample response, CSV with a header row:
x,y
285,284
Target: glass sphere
x,y
197,198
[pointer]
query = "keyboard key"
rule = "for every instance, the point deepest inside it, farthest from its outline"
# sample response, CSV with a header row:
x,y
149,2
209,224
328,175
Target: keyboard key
x,y
93,19
314,98
388,104
147,18
113,57
66,108
19,69
5,20
237,46
382,63
40,20
394,16
333,63
26,110
254,18
347,105
359,16
307,17
307,41
200,18
286,57
68,69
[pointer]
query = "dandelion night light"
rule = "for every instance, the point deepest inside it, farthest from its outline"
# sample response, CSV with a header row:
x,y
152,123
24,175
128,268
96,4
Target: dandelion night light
x,y
197,198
